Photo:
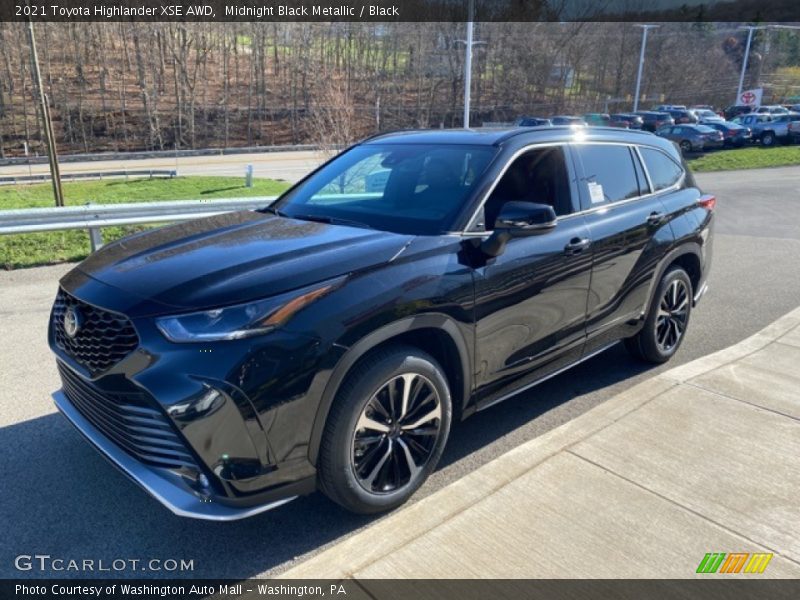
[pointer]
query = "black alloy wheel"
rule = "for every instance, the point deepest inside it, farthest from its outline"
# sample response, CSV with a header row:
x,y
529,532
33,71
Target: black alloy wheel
x,y
396,433
386,430
672,316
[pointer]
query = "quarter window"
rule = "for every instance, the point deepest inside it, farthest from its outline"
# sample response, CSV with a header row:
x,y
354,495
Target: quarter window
x,y
664,172
608,173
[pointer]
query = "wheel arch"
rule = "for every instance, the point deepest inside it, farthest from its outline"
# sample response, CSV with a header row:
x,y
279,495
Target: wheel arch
x,y
434,333
688,257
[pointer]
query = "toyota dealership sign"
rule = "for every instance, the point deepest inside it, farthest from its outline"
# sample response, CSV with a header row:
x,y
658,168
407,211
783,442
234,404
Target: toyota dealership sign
x,y
751,97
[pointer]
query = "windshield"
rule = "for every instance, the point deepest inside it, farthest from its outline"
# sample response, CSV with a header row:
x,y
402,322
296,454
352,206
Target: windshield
x,y
405,188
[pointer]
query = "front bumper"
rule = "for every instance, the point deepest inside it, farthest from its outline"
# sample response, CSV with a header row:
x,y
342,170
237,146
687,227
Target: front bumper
x,y
164,485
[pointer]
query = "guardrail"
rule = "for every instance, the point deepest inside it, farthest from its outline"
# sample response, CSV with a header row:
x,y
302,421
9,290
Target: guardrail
x,y
15,179
146,154
93,217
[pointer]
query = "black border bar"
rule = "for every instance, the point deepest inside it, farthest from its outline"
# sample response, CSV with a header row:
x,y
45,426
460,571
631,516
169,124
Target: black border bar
x,y
712,587
276,11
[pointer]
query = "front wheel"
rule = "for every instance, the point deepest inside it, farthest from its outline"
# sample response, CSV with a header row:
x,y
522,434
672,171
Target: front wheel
x,y
768,139
667,319
386,430
686,146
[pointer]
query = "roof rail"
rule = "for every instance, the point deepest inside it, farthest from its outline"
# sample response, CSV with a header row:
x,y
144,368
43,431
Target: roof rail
x,y
389,132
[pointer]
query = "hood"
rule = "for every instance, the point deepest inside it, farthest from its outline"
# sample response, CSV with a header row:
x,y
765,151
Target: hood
x,y
236,257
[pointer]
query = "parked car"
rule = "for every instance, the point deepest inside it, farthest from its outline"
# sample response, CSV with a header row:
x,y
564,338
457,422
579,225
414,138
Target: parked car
x,y
751,120
772,109
231,363
683,116
633,121
669,107
706,116
775,129
732,112
603,120
532,122
568,120
733,134
693,138
794,131
652,120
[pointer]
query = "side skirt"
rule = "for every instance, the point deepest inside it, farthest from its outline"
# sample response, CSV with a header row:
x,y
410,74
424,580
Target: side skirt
x,y
549,376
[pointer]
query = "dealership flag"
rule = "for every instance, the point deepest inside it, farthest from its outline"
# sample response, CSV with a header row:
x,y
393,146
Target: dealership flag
x,y
751,97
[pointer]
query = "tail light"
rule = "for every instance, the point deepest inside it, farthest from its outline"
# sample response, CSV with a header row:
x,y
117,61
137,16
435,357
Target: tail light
x,y
708,202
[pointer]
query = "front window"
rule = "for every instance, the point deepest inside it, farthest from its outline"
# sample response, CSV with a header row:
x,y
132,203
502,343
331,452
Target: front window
x,y
405,188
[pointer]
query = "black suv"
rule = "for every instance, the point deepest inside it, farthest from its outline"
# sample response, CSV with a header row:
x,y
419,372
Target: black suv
x,y
232,363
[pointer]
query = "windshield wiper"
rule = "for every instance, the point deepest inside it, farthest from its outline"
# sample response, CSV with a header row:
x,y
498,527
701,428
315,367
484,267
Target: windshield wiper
x,y
329,220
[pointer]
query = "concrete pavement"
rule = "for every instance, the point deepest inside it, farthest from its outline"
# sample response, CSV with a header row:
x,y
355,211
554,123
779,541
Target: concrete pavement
x,y
700,458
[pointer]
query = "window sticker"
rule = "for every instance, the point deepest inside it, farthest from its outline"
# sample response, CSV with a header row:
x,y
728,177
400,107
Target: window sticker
x,y
596,192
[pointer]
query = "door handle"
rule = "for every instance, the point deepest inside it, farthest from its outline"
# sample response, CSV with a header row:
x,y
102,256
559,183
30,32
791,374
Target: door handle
x,y
577,245
655,218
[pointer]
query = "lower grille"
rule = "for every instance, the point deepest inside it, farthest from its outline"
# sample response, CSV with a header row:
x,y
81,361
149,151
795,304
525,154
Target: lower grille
x,y
127,420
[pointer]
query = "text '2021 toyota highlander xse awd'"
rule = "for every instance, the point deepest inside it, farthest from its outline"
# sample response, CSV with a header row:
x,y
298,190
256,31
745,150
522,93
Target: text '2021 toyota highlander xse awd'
x,y
327,342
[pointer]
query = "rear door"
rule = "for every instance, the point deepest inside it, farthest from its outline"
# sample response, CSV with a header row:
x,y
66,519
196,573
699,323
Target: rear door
x,y
629,232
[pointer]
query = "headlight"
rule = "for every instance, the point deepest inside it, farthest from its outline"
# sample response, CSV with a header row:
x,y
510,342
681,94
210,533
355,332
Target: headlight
x,y
243,320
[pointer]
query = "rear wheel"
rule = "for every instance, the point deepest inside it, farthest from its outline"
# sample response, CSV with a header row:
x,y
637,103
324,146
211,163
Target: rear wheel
x,y
386,431
686,146
667,319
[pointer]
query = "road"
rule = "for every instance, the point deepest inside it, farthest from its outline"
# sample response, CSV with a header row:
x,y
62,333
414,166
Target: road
x,y
61,498
290,166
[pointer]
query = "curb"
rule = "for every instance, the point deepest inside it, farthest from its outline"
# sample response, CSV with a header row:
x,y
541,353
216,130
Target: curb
x,y
393,532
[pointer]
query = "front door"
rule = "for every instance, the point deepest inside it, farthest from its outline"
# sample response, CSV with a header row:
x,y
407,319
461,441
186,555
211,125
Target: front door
x,y
531,299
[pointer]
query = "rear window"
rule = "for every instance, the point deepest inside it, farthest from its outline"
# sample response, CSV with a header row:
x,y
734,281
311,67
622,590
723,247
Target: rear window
x,y
608,173
664,172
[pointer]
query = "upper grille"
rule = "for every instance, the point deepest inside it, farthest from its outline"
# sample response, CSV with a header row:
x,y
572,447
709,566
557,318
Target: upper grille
x,y
127,420
103,338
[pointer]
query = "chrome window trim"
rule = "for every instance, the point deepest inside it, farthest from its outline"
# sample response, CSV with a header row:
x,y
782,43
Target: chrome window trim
x,y
509,162
675,185
467,233
644,169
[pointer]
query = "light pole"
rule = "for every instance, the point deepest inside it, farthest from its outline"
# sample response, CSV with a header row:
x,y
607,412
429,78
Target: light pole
x,y
47,123
751,29
469,43
645,29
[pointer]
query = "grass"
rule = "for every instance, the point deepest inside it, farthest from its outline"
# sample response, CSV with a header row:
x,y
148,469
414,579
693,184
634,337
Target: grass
x,y
33,249
754,157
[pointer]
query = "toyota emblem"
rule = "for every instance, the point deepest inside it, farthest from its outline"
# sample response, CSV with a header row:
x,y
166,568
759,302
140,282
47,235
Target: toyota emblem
x,y
72,321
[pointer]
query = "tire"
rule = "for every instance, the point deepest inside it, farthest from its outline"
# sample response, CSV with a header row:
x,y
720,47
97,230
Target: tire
x,y
350,469
686,146
662,335
768,139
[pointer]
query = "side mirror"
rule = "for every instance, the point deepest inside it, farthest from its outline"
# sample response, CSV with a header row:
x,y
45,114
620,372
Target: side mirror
x,y
518,219
525,218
